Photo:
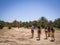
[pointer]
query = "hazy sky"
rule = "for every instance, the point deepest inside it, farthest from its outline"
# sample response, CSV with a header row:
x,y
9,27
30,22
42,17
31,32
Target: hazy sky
x,y
29,10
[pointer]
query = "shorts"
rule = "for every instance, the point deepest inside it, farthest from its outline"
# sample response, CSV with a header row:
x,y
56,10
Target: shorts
x,y
52,33
46,31
39,32
32,31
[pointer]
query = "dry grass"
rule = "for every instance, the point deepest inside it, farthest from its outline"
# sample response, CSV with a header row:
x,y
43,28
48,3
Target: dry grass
x,y
22,36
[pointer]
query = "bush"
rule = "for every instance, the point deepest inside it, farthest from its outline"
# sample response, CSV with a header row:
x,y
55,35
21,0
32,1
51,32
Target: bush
x,y
1,26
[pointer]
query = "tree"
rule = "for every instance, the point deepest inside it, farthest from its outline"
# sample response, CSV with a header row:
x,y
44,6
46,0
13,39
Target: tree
x,y
15,23
57,23
20,24
43,22
50,23
30,23
2,24
35,23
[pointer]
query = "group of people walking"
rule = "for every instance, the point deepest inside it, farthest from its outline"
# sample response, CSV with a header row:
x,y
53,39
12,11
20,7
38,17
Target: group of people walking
x,y
49,32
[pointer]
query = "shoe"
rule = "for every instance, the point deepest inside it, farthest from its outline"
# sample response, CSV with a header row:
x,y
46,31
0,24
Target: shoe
x,y
38,39
45,38
52,40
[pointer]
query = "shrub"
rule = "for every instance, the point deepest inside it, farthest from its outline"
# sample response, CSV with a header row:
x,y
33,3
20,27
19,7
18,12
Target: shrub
x,y
1,26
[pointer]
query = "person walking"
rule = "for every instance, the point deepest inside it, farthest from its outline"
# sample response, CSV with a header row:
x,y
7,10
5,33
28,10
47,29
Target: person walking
x,y
39,33
46,32
52,34
32,31
49,31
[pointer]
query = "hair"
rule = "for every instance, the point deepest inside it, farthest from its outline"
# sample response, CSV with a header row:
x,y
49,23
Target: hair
x,y
38,27
51,28
45,27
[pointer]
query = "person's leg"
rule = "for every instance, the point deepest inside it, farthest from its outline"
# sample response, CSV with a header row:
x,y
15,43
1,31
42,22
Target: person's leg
x,y
53,36
48,34
32,33
39,36
52,39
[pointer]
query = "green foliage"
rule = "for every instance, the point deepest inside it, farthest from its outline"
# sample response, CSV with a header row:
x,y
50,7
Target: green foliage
x,y
50,23
9,26
2,24
57,23
15,23
42,22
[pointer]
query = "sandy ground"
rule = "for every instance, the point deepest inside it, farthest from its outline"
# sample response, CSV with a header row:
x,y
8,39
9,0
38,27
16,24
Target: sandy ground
x,y
22,36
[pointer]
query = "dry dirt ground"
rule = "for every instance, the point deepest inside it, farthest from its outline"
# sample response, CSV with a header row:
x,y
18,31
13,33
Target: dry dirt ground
x,y
22,36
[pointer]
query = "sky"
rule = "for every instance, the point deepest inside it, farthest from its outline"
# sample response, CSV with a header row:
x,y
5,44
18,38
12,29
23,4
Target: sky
x,y
29,10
